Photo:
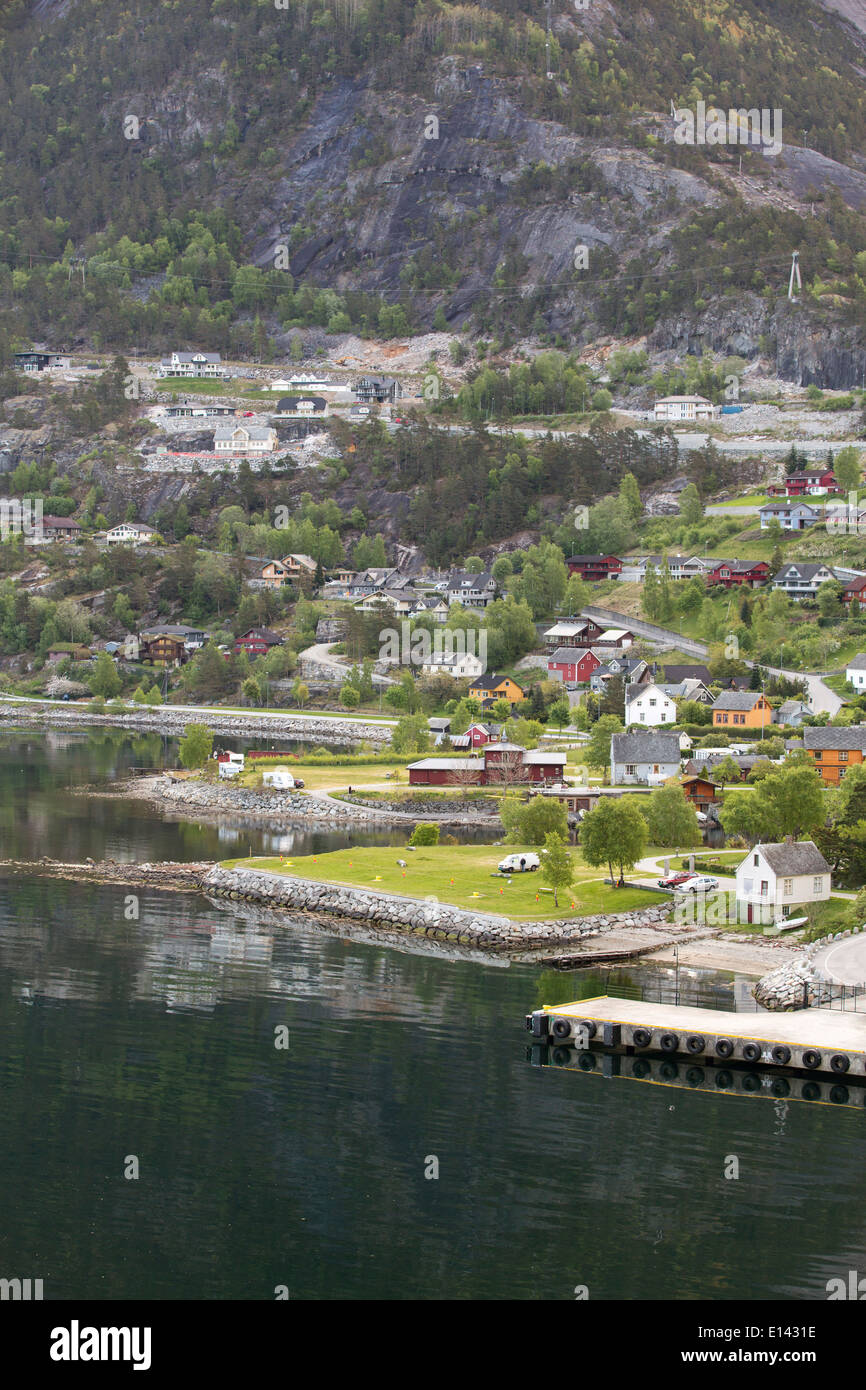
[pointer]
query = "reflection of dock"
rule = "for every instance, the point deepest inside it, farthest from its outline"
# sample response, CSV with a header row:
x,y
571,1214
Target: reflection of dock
x,y
764,1082
810,1040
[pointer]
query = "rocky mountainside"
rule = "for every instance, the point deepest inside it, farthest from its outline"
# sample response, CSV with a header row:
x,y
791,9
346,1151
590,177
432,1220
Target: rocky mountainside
x,y
232,169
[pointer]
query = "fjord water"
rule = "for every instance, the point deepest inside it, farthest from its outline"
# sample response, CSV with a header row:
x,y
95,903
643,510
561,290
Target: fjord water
x,y
305,1167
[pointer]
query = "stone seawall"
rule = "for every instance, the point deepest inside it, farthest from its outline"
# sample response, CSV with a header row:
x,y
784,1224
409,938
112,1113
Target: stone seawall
x,y
172,719
428,918
271,806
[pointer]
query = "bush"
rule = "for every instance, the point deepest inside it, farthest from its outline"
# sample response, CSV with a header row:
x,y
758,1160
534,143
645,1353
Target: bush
x,y
425,834
349,697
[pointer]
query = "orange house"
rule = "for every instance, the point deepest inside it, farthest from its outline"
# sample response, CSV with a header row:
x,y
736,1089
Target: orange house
x,y
746,708
490,688
833,751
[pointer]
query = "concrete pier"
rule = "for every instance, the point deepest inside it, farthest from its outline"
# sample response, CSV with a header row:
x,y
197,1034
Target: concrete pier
x,y
811,1040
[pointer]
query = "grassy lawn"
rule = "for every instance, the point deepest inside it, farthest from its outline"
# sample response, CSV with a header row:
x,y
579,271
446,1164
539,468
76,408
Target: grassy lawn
x,y
753,499
316,775
460,875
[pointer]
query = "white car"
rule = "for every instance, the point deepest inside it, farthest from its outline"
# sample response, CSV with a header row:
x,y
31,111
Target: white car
x,y
519,863
701,883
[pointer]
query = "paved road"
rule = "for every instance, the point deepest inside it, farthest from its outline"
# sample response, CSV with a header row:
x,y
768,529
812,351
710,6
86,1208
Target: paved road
x,y
844,961
820,697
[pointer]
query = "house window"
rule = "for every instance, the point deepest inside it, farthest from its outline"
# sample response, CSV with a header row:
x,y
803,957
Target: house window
x,y
630,769
748,884
818,753
789,887
755,861
764,887
817,885
843,757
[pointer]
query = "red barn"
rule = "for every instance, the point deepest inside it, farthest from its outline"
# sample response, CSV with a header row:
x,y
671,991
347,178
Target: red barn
x,y
573,664
594,567
500,762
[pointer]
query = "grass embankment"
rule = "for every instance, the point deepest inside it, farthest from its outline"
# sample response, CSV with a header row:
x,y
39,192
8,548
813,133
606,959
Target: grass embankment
x,y
459,875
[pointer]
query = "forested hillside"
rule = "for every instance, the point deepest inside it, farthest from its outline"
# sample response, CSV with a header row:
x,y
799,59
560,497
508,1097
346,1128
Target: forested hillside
x,y
220,171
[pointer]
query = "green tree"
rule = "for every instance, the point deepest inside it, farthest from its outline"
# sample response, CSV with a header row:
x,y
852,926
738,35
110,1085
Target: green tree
x,y
691,506
848,469
196,745
629,496
105,681
598,747
557,865
671,818
559,713
529,822
351,699
614,832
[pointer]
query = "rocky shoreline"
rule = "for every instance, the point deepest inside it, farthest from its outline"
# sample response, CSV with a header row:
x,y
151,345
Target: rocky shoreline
x,y
268,806
428,918
172,719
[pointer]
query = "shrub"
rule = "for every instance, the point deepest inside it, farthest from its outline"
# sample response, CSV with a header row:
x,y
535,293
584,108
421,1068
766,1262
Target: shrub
x,y
425,834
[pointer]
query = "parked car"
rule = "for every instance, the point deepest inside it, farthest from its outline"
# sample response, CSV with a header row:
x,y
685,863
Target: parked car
x,y
299,782
674,880
522,863
698,883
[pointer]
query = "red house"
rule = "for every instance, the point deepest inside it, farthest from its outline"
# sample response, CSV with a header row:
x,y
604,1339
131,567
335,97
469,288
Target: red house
x,y
594,567
573,664
855,588
811,482
733,573
258,641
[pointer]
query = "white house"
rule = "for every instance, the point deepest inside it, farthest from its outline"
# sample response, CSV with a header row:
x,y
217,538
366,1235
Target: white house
x,y
855,672
684,408
244,439
649,705
648,758
775,880
198,364
801,579
460,665
130,533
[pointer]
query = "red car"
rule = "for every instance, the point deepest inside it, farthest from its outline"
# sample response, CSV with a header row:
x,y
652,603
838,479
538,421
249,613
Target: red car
x,y
674,880
247,412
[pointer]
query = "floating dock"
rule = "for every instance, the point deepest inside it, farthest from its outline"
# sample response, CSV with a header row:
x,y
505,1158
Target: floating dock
x,y
759,1083
808,1040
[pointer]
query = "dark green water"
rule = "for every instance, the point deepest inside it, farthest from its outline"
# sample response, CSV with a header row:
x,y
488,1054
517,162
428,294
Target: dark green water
x,y
305,1167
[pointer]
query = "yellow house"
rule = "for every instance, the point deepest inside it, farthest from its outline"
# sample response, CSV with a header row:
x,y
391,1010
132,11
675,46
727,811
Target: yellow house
x,y
491,687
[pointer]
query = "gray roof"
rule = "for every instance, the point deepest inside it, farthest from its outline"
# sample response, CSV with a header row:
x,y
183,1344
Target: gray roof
x,y
736,699
632,691
790,860
792,506
852,736
793,707
568,654
804,571
857,663
645,747
252,431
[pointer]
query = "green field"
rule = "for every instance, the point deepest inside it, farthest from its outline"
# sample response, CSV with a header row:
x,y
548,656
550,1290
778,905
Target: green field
x,y
459,875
